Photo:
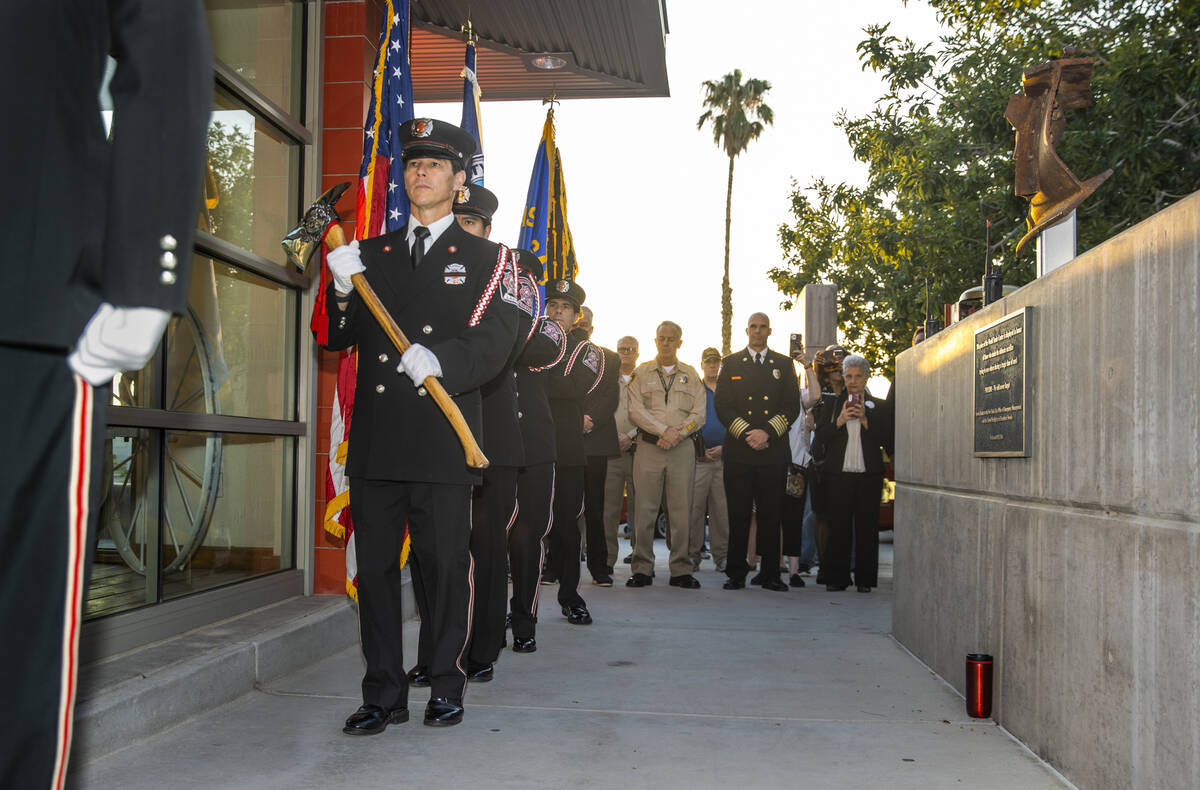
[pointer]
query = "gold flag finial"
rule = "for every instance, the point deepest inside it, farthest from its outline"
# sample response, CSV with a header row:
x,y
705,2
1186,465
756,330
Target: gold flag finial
x,y
468,30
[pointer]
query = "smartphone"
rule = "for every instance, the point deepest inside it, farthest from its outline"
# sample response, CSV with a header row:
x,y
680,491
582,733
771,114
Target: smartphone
x,y
796,344
855,399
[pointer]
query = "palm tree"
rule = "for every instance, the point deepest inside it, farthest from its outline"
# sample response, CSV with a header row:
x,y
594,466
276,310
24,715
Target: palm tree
x,y
737,114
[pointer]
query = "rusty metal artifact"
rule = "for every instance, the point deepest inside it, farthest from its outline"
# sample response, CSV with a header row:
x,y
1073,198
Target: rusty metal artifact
x,y
1040,118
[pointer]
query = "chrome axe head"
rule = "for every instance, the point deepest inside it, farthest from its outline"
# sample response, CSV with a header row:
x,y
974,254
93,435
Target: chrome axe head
x,y
302,240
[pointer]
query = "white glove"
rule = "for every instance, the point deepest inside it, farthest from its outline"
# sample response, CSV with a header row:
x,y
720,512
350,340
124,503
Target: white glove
x,y
116,339
344,263
419,363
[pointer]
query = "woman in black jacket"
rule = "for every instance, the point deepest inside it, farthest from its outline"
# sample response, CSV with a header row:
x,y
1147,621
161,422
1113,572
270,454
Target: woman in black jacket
x,y
851,436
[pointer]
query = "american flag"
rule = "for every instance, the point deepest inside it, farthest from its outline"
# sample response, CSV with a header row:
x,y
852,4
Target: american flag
x,y
382,203
382,206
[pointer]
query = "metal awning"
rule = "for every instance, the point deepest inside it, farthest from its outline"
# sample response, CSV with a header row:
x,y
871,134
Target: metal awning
x,y
602,48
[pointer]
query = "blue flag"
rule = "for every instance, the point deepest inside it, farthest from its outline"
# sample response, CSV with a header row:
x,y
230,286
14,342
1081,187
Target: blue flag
x,y
535,222
470,114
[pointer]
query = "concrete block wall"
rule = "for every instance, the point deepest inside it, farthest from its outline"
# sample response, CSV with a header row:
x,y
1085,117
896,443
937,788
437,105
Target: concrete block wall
x,y
1078,568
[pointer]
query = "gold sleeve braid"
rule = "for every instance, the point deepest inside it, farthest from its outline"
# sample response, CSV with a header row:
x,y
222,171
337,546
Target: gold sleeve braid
x,y
779,423
738,427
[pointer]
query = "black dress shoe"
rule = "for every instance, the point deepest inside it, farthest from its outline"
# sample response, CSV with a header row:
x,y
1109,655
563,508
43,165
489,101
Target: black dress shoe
x,y
861,588
549,578
628,559
372,720
774,584
418,676
734,584
524,645
480,673
577,615
686,581
796,581
757,578
443,712
639,580
603,581
834,587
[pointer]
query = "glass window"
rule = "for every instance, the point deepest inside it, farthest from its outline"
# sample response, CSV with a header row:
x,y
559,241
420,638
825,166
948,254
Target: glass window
x,y
252,182
227,508
262,40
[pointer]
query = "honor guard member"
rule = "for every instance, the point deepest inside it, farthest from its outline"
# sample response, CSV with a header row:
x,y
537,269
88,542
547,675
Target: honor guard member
x,y
447,291
599,446
583,370
666,401
535,480
98,237
757,398
496,500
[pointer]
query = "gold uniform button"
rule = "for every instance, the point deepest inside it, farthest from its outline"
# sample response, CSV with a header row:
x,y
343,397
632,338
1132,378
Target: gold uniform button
x,y
421,391
427,329
765,397
168,260
383,357
764,411
380,388
167,278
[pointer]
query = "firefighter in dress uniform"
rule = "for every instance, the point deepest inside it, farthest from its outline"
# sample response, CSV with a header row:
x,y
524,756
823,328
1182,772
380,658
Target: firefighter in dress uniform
x,y
757,398
98,236
451,293
582,372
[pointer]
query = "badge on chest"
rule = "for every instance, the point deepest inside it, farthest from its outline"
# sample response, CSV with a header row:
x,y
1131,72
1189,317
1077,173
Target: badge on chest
x,y
454,274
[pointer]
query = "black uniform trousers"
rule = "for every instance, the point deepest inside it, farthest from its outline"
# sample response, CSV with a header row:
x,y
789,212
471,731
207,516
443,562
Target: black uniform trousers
x,y
754,489
439,524
53,445
564,533
853,517
598,562
492,514
526,552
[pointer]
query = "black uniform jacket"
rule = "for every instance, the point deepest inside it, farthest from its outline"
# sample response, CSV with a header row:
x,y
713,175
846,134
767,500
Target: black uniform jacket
x,y
581,373
457,305
86,220
502,441
537,422
829,441
601,405
750,396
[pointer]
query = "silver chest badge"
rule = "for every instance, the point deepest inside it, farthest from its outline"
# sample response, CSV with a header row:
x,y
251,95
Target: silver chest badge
x,y
454,274
775,372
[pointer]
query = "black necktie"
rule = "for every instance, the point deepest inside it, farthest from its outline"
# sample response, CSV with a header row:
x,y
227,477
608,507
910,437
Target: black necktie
x,y
758,359
418,250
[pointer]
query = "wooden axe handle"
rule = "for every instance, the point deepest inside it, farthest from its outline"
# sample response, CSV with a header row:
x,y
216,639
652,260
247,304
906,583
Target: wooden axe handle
x,y
475,457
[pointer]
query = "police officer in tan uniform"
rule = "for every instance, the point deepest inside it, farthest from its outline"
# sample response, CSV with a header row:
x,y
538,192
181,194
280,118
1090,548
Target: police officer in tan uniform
x,y
666,402
618,481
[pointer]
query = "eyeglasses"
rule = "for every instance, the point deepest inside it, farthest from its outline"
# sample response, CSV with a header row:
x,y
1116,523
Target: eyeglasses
x,y
627,349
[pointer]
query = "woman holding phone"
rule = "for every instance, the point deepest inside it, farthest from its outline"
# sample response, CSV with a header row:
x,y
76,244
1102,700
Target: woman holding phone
x,y
853,433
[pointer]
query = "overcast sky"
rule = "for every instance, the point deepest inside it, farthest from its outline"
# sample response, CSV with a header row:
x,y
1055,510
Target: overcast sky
x,y
646,190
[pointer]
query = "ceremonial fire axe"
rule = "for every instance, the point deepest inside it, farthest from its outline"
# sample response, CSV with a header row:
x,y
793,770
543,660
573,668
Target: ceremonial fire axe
x,y
321,223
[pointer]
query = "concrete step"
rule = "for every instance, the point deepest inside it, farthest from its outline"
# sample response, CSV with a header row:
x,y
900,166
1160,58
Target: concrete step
x,y
142,692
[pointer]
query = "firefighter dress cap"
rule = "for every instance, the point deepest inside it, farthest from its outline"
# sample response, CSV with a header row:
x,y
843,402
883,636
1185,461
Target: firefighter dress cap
x,y
565,289
436,139
473,199
530,264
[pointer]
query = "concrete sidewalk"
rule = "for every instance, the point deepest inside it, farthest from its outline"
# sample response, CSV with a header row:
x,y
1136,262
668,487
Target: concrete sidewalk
x,y
669,688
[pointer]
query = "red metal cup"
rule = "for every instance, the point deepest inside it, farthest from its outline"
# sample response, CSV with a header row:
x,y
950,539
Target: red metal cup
x,y
979,685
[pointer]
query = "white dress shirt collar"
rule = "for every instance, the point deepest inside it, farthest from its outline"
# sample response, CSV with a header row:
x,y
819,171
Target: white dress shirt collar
x,y
436,228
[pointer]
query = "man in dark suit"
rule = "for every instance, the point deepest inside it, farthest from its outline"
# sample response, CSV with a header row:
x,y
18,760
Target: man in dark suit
x,y
757,398
452,293
599,445
98,238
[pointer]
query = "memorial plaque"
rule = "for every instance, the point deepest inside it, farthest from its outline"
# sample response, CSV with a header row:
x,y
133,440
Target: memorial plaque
x,y
1002,387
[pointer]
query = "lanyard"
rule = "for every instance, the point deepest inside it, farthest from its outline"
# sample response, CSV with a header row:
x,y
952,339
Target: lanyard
x,y
666,384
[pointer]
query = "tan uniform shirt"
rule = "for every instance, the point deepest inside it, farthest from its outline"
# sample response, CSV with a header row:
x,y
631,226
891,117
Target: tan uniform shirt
x,y
657,401
625,426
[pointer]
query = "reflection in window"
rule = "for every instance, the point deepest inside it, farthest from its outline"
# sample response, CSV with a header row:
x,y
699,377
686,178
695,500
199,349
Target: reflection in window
x,y
261,41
